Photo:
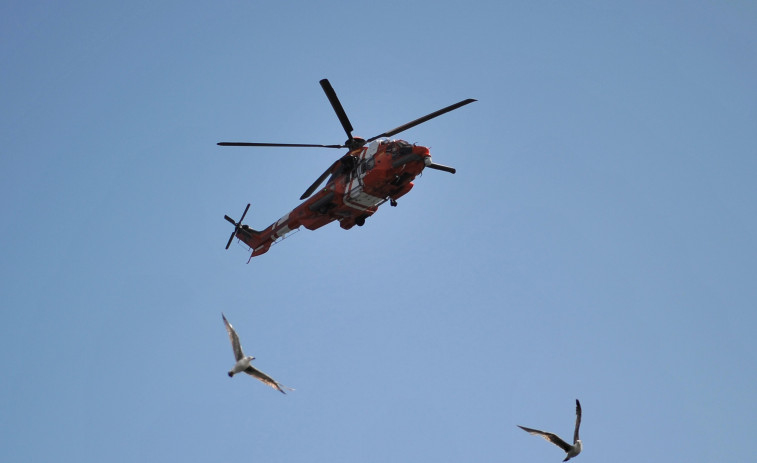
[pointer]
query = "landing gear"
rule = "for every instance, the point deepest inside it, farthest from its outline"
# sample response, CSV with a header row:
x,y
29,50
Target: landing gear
x,y
360,221
393,202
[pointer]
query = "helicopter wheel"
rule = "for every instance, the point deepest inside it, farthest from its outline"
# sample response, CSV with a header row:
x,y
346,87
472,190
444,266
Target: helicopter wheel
x,y
393,202
360,221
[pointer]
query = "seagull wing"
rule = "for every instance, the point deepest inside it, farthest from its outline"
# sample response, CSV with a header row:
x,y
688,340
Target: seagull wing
x,y
578,421
254,372
238,354
548,436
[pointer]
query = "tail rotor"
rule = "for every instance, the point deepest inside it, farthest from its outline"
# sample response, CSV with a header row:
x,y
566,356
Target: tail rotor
x,y
237,225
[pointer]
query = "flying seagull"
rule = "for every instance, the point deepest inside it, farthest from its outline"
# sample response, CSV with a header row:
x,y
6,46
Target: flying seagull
x,y
243,361
571,450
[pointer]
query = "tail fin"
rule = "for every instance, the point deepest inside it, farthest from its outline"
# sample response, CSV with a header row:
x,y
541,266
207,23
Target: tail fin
x,y
255,239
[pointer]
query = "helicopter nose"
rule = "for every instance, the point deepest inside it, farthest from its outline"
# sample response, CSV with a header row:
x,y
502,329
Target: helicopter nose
x,y
411,155
421,150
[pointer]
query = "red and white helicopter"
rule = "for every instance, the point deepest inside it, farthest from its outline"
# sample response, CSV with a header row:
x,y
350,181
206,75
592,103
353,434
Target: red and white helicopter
x,y
372,172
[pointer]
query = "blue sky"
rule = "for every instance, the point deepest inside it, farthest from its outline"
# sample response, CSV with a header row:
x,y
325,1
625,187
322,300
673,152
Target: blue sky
x,y
597,241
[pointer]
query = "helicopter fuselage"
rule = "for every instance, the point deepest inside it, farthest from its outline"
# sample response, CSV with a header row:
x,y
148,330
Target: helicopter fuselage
x,y
366,177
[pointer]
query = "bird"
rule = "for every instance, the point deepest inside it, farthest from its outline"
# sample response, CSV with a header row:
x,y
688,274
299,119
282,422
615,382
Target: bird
x,y
571,450
243,361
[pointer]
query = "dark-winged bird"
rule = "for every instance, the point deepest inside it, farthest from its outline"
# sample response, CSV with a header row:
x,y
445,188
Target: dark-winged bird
x,y
243,361
571,450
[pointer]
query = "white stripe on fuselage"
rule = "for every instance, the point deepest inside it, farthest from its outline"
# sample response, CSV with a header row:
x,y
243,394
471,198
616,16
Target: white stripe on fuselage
x,y
284,219
281,231
357,199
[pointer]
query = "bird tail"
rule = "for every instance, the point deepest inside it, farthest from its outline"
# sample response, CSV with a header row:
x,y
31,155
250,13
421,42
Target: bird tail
x,y
281,388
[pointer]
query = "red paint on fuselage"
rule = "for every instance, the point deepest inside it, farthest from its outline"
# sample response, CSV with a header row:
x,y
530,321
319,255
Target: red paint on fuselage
x,y
380,171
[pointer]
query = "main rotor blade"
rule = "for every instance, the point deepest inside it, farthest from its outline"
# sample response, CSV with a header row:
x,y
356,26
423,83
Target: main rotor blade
x,y
290,145
422,119
338,109
320,180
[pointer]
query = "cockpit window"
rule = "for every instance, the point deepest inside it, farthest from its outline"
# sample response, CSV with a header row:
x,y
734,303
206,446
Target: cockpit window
x,y
399,148
404,148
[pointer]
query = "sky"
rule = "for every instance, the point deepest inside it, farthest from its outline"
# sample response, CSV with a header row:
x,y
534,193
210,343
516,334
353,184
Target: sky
x,y
596,243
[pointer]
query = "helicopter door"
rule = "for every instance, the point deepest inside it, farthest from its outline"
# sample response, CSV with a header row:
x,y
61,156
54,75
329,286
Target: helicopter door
x,y
355,197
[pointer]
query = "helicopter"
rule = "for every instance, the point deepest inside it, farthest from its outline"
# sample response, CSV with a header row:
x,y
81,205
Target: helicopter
x,y
372,172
